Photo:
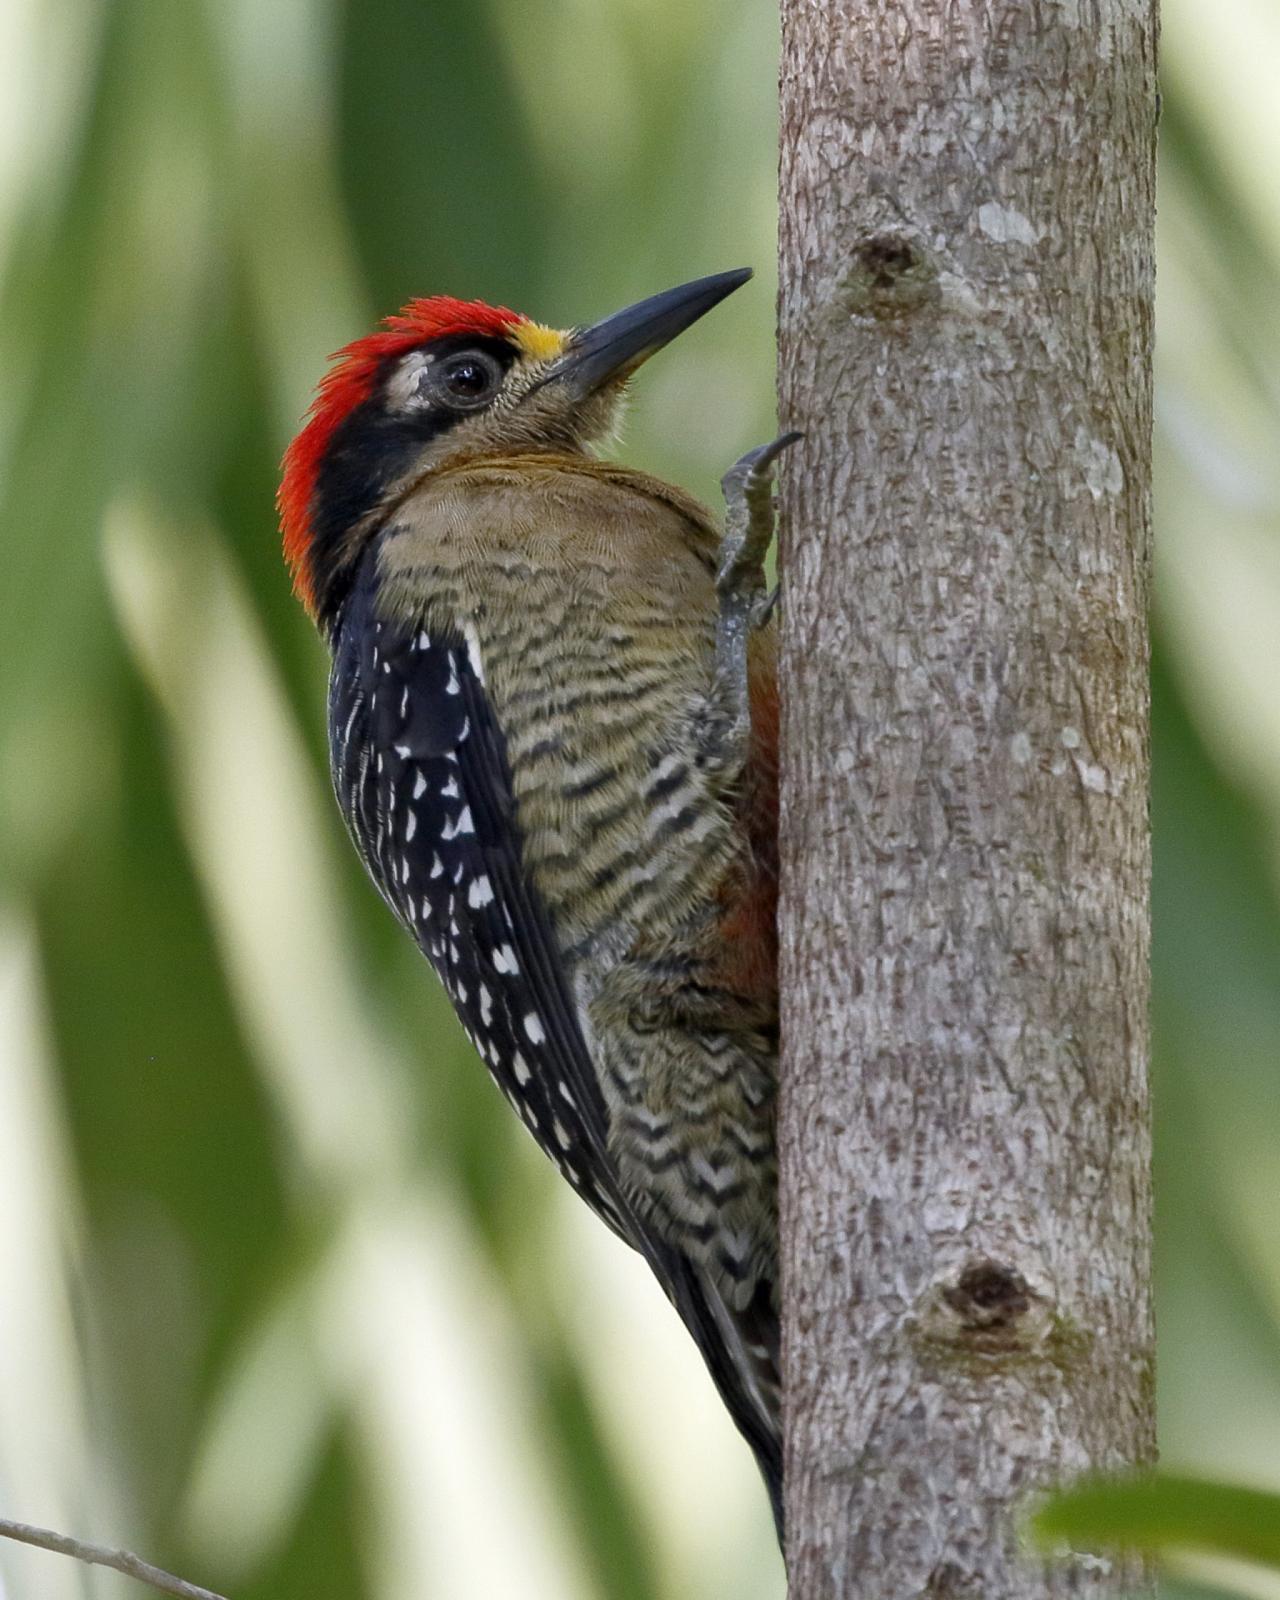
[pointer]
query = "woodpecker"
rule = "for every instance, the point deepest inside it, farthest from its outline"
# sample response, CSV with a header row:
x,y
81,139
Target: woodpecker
x,y
553,732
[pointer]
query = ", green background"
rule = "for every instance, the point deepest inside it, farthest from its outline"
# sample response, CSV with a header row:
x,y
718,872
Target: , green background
x,y
287,1299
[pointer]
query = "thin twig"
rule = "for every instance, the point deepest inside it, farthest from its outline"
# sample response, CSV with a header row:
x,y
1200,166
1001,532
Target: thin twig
x,y
97,1556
